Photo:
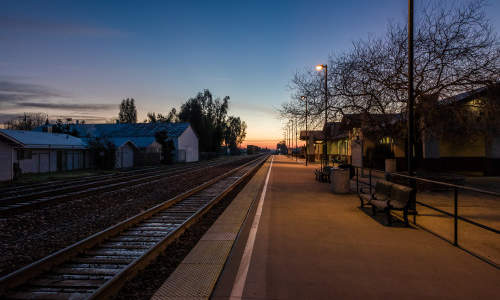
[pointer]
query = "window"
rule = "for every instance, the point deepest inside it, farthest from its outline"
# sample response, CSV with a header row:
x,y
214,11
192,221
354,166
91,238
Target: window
x,y
24,154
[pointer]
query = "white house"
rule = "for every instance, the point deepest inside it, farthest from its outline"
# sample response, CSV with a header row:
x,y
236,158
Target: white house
x,y
136,143
39,152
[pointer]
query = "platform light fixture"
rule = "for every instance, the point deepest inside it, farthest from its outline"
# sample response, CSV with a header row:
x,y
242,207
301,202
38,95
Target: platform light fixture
x,y
304,98
325,147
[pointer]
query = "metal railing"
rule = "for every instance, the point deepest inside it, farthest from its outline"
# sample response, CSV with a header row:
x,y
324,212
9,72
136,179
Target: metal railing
x,y
413,180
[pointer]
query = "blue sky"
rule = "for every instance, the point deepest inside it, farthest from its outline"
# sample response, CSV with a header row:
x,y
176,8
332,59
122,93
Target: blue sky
x,y
88,55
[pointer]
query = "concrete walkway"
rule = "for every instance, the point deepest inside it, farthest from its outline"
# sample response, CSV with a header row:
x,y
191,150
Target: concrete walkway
x,y
311,244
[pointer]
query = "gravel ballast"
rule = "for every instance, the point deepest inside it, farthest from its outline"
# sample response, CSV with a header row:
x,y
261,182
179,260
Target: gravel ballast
x,y
30,236
149,280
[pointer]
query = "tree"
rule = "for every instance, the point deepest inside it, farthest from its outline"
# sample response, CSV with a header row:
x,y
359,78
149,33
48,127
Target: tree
x,y
207,116
160,118
456,50
128,111
167,146
103,153
28,121
63,127
235,133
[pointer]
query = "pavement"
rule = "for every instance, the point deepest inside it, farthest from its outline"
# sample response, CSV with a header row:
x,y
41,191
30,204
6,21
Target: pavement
x,y
304,242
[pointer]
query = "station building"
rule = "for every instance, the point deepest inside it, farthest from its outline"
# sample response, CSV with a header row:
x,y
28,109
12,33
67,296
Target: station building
x,y
135,143
479,155
40,152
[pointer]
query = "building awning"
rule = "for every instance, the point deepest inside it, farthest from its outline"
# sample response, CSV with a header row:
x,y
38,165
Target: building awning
x,y
315,135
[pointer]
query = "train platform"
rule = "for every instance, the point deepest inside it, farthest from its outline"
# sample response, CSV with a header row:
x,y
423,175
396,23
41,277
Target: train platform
x,y
292,238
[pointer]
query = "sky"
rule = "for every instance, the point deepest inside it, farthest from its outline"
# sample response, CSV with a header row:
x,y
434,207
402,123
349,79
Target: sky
x,y
79,59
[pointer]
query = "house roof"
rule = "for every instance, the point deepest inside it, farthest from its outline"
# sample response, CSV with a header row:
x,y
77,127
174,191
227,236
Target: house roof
x,y
470,95
140,134
37,140
336,130
316,135
174,130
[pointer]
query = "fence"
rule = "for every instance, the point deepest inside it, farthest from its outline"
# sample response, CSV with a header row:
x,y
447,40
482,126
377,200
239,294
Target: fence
x,y
420,185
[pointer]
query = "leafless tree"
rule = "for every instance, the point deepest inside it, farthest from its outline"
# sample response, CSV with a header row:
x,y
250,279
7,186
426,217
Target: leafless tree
x,y
456,50
28,121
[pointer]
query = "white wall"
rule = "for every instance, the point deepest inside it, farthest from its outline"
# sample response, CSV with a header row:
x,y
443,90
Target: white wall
x,y
42,162
124,156
155,147
188,141
6,171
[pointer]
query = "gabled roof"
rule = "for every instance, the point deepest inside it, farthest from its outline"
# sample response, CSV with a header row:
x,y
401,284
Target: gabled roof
x,y
140,134
336,130
470,95
44,140
174,130
316,135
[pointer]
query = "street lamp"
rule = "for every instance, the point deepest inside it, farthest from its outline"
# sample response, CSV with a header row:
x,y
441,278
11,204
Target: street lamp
x,y
304,98
296,154
411,112
325,148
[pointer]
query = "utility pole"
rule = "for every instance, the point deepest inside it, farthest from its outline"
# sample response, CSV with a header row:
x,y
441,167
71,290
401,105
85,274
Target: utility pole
x,y
325,146
411,104
296,142
307,134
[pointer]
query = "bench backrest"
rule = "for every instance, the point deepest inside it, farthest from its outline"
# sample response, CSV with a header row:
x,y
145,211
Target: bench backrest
x,y
400,195
383,187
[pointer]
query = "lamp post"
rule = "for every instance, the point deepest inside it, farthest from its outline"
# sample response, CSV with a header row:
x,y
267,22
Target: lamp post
x,y
411,104
411,97
325,147
287,138
307,135
296,154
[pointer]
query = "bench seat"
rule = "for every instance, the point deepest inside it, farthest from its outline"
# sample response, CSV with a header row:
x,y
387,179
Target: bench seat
x,y
388,196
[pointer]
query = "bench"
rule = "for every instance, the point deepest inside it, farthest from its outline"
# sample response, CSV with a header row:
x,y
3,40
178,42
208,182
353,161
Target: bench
x,y
388,196
323,175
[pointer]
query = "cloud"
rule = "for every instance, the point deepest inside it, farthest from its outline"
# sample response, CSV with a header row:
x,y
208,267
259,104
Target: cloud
x,y
88,118
16,91
67,106
17,25
21,96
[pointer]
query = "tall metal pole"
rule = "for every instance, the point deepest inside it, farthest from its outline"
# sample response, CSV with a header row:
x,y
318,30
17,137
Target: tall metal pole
x,y
296,154
287,145
307,136
411,103
289,136
325,147
411,99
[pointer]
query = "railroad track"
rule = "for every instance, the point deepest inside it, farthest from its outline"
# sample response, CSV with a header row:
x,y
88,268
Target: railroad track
x,y
20,190
56,194
97,267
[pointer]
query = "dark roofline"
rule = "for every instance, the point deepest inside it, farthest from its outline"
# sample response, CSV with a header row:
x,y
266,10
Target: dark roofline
x,y
465,96
11,139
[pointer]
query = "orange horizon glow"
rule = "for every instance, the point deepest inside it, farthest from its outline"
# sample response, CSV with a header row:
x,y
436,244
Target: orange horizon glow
x,y
270,144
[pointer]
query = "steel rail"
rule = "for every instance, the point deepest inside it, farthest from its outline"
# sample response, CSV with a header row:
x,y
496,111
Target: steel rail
x,y
60,182
152,238
22,204
16,187
42,189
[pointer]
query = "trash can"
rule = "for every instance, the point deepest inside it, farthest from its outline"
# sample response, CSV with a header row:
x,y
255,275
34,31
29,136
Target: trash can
x,y
340,180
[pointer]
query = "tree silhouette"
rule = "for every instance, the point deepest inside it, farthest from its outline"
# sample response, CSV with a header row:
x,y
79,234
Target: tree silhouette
x,y
128,112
